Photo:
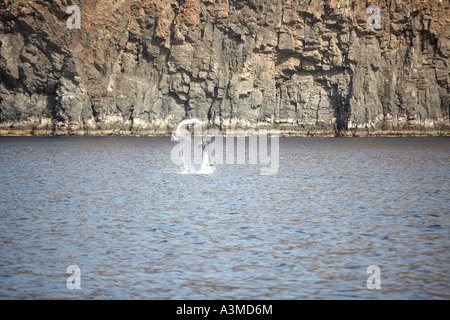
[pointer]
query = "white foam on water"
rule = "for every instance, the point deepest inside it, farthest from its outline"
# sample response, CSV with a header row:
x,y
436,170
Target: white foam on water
x,y
188,169
206,169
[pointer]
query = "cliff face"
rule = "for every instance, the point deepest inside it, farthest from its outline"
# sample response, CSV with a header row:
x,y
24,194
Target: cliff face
x,y
305,66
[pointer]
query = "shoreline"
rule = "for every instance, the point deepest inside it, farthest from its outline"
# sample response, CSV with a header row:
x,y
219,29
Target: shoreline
x,y
293,134
116,126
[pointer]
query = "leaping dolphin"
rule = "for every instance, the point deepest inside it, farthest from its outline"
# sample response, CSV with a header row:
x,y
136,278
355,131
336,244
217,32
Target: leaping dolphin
x,y
186,121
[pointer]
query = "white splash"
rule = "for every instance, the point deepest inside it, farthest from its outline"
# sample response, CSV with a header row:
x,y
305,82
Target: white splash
x,y
207,167
181,154
188,169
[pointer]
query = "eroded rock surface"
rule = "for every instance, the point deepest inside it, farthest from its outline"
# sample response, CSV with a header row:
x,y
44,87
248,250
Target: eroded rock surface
x,y
306,67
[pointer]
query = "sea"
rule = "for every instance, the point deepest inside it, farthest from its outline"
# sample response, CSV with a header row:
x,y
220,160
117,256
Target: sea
x,y
117,218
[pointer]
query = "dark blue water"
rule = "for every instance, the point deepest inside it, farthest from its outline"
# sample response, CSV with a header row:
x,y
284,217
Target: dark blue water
x,y
118,208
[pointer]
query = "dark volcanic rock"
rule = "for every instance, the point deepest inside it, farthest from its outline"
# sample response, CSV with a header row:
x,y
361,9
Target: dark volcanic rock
x,y
305,67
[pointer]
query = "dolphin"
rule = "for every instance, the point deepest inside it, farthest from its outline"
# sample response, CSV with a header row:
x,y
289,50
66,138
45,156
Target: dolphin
x,y
186,121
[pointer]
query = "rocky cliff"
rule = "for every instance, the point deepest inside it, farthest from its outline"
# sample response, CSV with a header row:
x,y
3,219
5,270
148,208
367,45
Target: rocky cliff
x,y
307,67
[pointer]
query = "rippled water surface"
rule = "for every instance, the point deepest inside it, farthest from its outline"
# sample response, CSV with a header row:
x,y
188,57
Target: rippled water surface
x,y
118,208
